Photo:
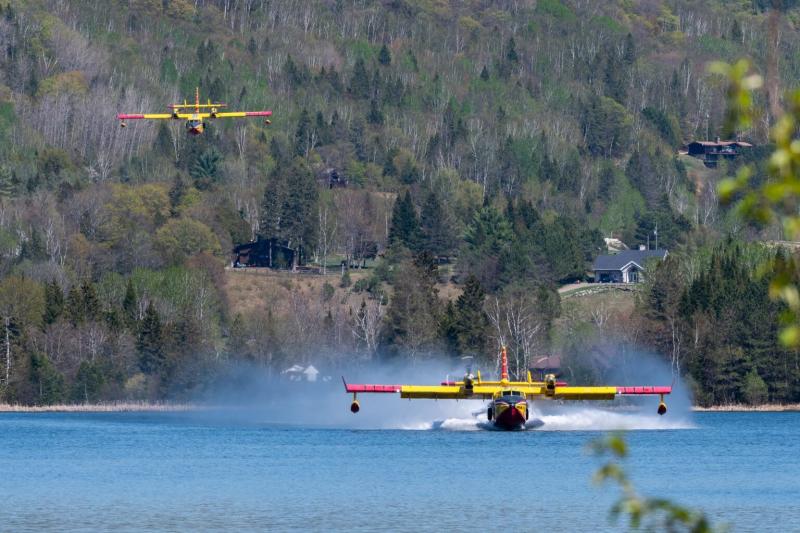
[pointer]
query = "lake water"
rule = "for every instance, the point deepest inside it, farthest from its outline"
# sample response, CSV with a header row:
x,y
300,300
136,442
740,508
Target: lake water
x,y
131,471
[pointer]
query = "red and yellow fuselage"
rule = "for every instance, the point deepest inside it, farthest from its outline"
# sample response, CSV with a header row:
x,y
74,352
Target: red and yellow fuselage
x,y
508,410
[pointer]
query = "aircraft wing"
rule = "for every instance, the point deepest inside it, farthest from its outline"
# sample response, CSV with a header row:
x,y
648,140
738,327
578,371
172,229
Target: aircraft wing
x,y
240,114
135,116
537,390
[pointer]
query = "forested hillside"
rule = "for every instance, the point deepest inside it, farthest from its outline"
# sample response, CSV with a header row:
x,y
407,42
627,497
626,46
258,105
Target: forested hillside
x,y
487,147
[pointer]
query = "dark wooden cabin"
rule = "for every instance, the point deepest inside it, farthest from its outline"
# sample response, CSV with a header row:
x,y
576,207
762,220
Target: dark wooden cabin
x,y
267,253
711,152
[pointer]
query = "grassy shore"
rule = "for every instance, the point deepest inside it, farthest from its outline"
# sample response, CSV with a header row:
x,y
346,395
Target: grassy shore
x,y
766,408
97,408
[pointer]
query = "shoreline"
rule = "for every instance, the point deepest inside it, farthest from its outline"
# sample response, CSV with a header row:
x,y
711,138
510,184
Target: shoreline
x,y
106,407
165,407
740,408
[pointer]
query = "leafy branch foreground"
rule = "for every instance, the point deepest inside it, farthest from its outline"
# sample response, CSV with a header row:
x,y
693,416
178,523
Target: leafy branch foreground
x,y
657,514
778,198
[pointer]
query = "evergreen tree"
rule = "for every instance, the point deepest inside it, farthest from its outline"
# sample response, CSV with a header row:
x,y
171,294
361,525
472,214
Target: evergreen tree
x,y
487,247
414,310
176,194
130,304
150,342
53,301
736,32
375,115
7,186
511,54
90,301
33,248
46,380
88,383
206,169
466,324
405,225
272,204
299,209
163,143
74,307
485,73
296,76
323,130
356,135
359,82
302,136
436,234
384,57
629,52
615,77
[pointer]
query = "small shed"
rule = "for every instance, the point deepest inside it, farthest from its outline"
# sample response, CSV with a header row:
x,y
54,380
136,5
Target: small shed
x,y
624,267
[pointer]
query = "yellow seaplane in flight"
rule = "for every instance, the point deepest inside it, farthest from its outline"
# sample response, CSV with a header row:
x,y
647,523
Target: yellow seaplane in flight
x,y
194,114
508,400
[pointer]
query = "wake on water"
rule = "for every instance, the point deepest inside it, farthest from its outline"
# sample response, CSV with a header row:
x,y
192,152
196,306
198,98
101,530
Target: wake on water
x,y
567,418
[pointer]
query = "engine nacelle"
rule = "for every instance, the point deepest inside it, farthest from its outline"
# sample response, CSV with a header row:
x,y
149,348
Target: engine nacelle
x,y
550,385
662,408
355,407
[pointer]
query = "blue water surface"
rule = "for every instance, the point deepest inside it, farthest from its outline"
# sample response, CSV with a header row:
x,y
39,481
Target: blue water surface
x,y
129,471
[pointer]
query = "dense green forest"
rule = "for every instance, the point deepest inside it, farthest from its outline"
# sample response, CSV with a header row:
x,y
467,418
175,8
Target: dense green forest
x,y
487,148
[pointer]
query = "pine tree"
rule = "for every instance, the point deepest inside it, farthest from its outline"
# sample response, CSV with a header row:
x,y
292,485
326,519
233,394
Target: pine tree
x,y
163,143
299,208
33,248
272,204
90,301
46,380
295,76
375,115
130,304
150,342
405,225
53,302
436,235
206,169
615,78
485,73
323,130
359,83
6,183
629,52
74,307
302,136
384,57
471,323
511,54
176,194
736,32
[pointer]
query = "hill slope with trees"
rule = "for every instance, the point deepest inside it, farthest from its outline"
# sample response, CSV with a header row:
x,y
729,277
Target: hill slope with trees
x,y
490,145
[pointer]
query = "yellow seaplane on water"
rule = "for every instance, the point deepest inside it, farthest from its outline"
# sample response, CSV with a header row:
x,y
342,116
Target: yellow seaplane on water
x,y
508,400
194,114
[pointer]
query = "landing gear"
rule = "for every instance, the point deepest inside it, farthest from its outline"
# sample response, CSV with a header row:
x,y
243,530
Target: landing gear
x,y
489,413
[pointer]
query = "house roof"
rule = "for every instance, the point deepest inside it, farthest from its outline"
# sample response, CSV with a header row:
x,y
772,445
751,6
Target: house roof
x,y
546,362
620,260
722,143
